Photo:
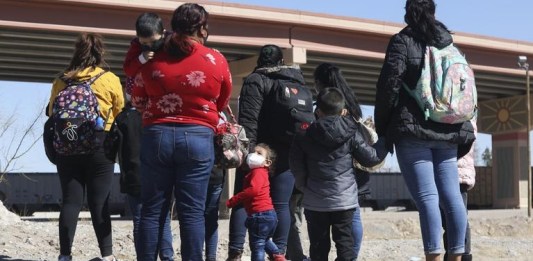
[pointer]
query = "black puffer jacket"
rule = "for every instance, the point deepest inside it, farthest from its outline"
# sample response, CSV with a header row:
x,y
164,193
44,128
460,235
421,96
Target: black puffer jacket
x,y
129,130
396,114
253,109
321,161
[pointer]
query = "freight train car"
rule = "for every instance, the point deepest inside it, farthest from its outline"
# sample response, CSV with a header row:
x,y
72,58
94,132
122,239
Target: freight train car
x,y
25,193
388,190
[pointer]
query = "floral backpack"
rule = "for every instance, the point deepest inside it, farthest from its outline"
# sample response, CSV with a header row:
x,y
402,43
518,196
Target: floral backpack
x,y
446,90
231,143
76,119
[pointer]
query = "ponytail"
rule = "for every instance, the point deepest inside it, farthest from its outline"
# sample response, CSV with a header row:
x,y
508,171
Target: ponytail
x,y
270,56
331,76
88,52
179,45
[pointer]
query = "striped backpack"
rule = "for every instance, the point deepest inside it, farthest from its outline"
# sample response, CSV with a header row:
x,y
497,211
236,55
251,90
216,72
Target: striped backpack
x,y
446,90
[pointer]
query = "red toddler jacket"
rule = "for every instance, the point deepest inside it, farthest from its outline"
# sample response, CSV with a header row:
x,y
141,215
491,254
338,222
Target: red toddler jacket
x,y
188,90
255,194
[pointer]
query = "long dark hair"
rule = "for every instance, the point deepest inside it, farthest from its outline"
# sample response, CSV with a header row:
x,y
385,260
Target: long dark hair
x,y
269,56
329,75
88,52
187,19
420,15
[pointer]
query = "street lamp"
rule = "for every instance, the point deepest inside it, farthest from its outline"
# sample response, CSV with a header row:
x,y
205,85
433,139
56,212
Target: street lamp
x,y
522,63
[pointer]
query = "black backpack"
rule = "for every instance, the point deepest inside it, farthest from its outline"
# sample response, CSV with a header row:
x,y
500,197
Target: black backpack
x,y
289,106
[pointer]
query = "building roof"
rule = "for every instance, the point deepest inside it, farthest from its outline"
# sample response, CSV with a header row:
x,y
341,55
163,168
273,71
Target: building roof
x,y
37,38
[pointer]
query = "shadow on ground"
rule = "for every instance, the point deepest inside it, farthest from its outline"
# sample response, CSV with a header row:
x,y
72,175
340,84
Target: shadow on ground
x,y
7,258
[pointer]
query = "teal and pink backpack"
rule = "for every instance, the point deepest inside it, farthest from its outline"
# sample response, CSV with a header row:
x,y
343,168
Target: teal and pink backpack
x,y
446,90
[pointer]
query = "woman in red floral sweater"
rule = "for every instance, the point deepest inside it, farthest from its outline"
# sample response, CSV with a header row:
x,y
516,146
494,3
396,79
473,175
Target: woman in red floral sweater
x,y
180,92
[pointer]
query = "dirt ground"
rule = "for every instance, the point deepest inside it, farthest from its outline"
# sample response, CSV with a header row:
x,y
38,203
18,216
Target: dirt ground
x,y
388,235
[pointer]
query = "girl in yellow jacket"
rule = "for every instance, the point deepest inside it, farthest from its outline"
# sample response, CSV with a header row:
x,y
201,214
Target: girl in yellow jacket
x,y
92,173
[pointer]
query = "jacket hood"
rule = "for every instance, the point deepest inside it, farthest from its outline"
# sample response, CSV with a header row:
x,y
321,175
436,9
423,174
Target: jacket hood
x,y
282,72
332,131
444,38
87,73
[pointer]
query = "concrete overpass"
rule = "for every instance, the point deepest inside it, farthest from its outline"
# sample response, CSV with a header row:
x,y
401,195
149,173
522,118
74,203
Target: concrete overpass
x,y
37,38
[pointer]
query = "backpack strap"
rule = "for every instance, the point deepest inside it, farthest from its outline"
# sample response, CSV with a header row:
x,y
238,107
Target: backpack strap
x,y
93,79
90,81
230,112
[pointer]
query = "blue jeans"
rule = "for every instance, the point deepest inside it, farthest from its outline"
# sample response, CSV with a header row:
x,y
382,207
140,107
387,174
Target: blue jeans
x,y
357,227
211,220
175,157
430,172
166,251
466,254
261,227
281,187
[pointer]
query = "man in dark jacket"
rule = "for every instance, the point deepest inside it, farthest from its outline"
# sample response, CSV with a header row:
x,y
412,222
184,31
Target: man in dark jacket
x,y
262,113
322,163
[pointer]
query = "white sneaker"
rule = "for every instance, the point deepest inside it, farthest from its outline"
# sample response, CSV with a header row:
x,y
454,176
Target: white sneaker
x,y
64,258
104,259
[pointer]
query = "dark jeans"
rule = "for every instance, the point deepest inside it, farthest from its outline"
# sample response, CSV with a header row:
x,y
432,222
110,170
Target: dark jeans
x,y
237,220
179,158
464,194
166,250
91,174
294,244
211,220
281,187
319,225
261,227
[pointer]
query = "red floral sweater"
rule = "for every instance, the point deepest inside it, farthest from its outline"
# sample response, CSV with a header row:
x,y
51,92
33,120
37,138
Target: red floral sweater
x,y
190,90
255,194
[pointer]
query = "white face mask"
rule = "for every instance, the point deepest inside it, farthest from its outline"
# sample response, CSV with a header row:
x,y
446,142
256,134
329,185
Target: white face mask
x,y
255,160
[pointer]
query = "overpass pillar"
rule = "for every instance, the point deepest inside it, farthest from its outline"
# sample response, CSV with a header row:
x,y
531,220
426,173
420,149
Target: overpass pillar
x,y
506,119
509,170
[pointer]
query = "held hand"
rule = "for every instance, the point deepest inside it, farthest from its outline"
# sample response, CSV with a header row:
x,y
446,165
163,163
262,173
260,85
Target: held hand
x,y
230,203
381,148
148,55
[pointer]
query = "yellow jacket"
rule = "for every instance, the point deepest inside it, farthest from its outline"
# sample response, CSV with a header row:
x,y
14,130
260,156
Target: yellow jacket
x,y
106,88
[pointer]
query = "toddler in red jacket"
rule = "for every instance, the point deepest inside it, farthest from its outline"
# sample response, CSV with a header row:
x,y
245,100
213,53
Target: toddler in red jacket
x,y
255,197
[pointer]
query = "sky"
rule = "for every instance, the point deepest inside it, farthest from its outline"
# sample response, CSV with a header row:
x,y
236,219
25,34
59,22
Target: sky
x,y
503,19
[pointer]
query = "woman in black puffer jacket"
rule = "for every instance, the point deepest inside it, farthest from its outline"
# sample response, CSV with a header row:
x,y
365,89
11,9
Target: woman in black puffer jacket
x,y
427,151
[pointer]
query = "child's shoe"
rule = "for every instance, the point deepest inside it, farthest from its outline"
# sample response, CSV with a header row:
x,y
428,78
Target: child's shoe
x,y
279,257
